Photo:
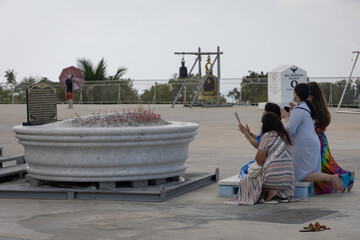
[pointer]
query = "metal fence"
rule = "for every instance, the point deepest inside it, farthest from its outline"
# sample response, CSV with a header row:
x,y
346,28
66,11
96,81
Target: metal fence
x,y
161,91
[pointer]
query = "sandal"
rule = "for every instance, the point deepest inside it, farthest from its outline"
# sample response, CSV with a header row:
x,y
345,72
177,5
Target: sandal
x,y
314,228
268,202
282,200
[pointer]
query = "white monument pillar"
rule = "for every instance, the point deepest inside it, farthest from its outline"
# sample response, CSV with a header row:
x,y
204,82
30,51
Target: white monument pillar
x,y
281,83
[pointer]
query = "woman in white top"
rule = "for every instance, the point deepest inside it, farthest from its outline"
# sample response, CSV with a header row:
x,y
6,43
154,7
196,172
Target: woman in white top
x,y
306,145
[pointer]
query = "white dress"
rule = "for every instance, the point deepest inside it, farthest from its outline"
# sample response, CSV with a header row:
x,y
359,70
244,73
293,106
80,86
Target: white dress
x,y
306,145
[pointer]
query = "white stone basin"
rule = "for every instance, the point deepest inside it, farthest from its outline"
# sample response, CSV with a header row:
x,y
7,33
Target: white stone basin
x,y
106,154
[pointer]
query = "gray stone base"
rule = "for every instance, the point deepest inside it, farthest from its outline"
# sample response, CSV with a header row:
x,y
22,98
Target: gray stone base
x,y
35,182
160,181
137,184
35,189
104,185
107,185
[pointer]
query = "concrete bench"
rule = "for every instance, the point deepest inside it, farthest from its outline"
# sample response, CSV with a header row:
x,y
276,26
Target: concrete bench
x,y
229,187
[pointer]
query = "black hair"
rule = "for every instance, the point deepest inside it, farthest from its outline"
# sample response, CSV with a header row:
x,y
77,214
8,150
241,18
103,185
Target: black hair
x,y
272,107
303,91
271,122
320,105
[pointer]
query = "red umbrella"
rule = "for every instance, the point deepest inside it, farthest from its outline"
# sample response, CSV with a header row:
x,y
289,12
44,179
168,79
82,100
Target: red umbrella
x,y
77,74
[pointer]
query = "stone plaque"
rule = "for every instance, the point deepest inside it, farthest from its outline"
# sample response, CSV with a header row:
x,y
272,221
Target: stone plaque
x,y
41,104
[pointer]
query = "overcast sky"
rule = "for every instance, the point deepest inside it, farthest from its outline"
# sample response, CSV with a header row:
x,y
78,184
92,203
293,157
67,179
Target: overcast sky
x,y
41,37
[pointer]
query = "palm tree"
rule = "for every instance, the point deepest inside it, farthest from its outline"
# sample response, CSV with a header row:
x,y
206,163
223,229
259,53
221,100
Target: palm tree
x,y
119,73
10,76
91,73
99,72
105,91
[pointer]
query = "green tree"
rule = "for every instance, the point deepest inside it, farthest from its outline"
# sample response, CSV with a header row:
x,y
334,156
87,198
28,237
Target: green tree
x,y
253,88
327,88
10,76
148,95
90,72
338,89
158,93
166,93
128,94
234,94
99,72
5,95
20,89
110,89
24,84
357,91
119,73
189,90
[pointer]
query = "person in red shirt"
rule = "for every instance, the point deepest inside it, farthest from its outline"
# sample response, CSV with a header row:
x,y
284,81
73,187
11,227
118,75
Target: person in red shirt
x,y
69,90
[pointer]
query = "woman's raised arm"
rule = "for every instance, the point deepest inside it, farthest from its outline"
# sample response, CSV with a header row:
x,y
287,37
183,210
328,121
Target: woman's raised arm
x,y
294,121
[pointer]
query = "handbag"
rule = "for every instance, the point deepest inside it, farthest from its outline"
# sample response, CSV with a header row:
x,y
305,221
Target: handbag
x,y
244,169
255,169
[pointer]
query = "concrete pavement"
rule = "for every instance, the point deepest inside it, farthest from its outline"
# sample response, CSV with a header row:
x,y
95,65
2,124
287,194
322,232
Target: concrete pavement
x,y
199,214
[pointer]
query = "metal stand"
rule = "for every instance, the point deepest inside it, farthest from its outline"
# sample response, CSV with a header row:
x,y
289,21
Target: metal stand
x,y
198,60
347,83
11,167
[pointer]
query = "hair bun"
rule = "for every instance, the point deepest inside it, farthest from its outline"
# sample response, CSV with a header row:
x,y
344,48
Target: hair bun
x,y
302,90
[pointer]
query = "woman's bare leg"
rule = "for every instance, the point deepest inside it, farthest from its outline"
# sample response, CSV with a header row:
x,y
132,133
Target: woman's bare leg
x,y
335,180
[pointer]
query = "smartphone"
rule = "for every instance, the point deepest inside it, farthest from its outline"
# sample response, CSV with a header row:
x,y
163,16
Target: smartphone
x,y
237,117
287,108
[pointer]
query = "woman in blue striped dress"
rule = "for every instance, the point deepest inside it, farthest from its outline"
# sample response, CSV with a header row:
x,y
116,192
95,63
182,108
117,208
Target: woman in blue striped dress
x,y
274,154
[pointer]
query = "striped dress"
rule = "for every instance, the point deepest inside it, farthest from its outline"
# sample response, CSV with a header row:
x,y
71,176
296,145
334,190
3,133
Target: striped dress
x,y
277,173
